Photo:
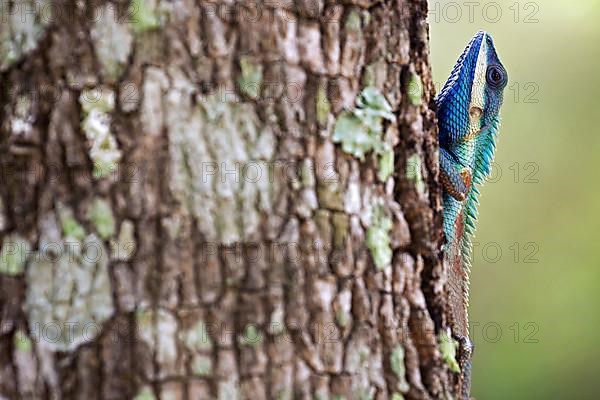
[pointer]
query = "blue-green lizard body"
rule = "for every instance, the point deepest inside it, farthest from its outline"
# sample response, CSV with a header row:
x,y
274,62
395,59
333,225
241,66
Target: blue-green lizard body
x,y
468,118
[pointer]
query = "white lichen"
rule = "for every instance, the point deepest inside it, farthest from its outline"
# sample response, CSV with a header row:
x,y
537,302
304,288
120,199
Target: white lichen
x,y
112,41
2,215
198,342
251,337
415,89
72,230
22,342
220,168
352,197
68,289
277,321
378,238
228,388
146,15
22,25
145,393
123,247
22,118
97,104
158,329
155,83
25,361
413,172
197,338
201,365
102,217
342,307
250,79
397,364
13,255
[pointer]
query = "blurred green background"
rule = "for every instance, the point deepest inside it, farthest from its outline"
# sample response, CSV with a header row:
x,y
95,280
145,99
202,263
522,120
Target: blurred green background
x,y
535,291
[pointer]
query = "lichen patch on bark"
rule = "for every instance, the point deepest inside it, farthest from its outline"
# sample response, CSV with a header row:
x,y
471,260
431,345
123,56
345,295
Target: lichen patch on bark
x,y
13,255
112,41
68,296
124,245
21,27
220,169
97,105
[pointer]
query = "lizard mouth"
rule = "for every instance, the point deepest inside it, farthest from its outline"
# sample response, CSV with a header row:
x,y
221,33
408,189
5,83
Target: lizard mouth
x,y
475,114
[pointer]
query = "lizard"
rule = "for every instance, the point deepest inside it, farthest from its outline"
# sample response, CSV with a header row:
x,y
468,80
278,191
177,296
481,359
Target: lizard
x,y
468,114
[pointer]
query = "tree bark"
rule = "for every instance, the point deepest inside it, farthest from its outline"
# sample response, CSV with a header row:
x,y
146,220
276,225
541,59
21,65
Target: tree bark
x,y
178,221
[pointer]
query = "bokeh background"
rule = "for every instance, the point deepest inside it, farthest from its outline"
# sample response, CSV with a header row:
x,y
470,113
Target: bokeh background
x,y
535,294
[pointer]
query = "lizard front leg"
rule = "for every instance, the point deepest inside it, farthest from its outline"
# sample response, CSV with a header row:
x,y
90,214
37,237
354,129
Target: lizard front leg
x,y
450,178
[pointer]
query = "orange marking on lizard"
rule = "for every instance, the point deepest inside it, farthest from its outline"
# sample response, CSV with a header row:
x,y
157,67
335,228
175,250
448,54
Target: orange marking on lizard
x,y
467,178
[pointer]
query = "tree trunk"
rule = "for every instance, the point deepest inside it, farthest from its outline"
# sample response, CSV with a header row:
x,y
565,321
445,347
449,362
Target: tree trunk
x,y
184,214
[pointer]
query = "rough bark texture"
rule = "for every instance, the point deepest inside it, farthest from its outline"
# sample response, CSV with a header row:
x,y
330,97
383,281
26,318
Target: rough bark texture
x,y
177,222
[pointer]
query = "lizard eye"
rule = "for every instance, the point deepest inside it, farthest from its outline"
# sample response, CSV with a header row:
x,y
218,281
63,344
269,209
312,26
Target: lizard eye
x,y
496,76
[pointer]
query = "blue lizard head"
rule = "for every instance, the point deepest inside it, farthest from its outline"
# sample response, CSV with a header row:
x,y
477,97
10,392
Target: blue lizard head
x,y
471,98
